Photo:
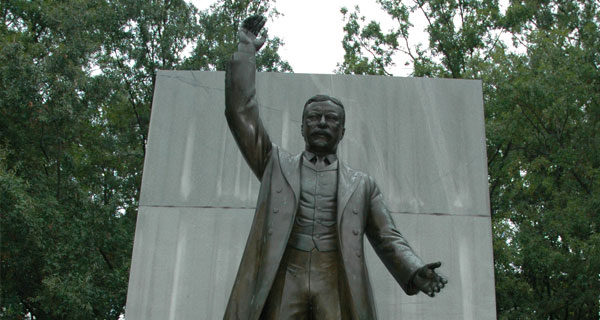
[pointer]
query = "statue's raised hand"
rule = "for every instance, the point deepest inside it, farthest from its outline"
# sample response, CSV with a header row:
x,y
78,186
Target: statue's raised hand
x,y
428,281
248,33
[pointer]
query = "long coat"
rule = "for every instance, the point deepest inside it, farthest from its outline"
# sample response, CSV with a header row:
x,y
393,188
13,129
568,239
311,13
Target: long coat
x,y
360,211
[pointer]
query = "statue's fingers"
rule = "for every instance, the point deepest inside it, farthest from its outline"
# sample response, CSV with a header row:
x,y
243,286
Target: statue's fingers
x,y
428,292
253,23
257,24
429,289
253,27
261,24
249,22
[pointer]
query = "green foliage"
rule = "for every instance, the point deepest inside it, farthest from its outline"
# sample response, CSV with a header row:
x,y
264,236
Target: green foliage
x,y
371,39
219,28
76,85
451,44
539,62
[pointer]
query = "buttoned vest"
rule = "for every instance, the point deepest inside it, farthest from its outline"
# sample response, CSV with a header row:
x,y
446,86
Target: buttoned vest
x,y
315,223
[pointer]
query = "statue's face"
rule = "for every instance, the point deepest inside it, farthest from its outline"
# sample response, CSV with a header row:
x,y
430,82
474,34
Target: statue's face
x,y
323,126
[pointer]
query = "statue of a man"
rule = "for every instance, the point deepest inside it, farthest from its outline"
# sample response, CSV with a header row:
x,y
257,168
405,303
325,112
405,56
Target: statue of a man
x,y
304,258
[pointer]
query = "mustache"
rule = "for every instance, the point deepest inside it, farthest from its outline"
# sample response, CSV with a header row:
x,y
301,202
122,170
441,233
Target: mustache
x,y
321,133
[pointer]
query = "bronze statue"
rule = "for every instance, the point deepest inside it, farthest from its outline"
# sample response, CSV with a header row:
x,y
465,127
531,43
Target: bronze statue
x,y
304,258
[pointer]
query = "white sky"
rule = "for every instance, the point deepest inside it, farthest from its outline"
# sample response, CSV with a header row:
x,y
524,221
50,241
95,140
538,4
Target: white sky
x,y
312,31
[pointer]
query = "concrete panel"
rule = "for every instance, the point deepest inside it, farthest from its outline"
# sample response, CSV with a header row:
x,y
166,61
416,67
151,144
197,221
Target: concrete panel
x,y
421,139
463,244
186,260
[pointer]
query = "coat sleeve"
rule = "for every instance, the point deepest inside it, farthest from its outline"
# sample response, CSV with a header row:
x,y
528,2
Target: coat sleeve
x,y
389,244
241,111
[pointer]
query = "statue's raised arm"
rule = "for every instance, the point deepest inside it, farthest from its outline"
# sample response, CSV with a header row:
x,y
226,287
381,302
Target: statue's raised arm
x,y
241,106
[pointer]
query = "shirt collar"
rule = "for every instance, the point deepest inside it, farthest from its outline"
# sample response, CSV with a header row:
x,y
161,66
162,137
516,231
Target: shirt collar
x,y
329,159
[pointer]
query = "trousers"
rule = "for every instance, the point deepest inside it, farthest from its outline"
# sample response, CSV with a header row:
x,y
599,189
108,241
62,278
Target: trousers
x,y
305,287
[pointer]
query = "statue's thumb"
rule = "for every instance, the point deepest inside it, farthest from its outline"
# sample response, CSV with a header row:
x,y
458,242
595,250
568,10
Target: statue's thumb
x,y
260,42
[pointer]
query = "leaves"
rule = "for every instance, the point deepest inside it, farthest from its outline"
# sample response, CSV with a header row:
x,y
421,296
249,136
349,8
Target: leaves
x,y
541,84
76,85
219,28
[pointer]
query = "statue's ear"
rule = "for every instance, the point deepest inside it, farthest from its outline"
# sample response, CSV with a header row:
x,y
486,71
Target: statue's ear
x,y
341,135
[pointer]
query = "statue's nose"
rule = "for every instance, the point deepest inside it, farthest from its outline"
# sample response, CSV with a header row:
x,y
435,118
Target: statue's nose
x,y
323,122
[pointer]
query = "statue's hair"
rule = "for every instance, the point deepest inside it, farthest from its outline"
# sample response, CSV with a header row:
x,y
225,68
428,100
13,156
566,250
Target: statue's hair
x,y
323,97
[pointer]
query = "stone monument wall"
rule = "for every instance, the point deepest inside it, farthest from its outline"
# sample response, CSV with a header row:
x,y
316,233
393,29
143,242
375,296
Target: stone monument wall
x,y
422,140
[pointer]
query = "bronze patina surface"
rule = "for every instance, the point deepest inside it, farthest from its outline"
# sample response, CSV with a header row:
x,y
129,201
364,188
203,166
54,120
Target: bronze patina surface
x,y
267,285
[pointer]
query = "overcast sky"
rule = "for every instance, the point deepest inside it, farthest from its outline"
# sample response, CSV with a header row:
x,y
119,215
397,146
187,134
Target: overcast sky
x,y
313,30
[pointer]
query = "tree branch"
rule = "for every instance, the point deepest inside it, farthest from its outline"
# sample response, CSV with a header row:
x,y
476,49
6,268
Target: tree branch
x,y
110,265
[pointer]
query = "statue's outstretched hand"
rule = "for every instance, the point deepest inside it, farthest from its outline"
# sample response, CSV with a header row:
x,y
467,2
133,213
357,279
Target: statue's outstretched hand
x,y
249,31
428,281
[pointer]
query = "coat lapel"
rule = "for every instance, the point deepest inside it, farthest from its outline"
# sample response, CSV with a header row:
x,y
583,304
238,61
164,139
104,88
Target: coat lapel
x,y
290,166
347,183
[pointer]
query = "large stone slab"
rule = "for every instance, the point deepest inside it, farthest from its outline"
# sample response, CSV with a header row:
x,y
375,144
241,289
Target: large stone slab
x,y
421,139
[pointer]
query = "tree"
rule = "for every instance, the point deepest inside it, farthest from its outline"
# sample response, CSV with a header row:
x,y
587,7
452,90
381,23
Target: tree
x,y
219,27
539,62
76,85
62,241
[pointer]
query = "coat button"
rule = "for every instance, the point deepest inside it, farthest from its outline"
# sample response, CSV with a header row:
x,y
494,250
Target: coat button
x,y
355,232
275,210
279,190
355,211
358,253
270,231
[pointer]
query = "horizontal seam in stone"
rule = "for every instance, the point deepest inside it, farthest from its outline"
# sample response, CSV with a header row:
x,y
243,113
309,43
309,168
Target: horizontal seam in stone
x,y
442,214
199,207
254,208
